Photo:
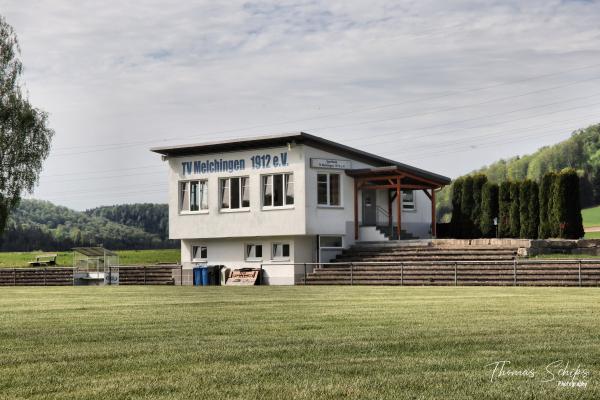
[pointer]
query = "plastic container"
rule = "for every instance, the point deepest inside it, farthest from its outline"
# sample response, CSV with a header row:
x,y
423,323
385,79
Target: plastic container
x,y
197,276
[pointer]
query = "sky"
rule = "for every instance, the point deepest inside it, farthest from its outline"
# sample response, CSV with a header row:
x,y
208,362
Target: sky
x,y
448,86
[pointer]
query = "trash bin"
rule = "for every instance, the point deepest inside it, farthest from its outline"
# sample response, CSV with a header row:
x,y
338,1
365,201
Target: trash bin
x,y
206,276
197,276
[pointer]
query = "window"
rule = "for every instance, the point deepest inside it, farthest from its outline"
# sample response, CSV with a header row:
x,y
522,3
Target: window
x,y
280,251
328,189
235,193
193,196
330,241
253,252
199,253
408,200
278,190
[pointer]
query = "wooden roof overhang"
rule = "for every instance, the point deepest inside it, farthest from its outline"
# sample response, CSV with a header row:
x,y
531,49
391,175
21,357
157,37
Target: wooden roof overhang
x,y
394,180
389,177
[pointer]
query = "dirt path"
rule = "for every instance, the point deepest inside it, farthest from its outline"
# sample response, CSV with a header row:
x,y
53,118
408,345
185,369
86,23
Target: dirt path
x,y
592,229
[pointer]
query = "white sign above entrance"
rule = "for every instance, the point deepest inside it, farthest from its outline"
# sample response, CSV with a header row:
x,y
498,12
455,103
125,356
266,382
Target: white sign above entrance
x,y
330,163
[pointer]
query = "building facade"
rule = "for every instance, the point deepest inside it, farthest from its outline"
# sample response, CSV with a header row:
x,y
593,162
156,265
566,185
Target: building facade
x,y
281,201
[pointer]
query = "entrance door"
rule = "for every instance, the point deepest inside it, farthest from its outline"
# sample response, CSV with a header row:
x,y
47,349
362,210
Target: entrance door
x,y
369,210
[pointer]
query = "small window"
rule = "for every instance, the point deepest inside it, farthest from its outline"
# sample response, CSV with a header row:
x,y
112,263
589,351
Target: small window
x,y
253,252
329,189
280,251
330,241
278,190
193,196
235,193
408,200
199,253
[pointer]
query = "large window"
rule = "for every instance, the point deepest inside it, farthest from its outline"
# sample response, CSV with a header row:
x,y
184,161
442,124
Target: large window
x,y
193,196
278,190
408,200
253,252
280,251
199,253
328,189
235,193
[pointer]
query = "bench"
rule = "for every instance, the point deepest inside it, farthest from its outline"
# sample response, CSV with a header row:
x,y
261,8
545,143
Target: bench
x,y
44,260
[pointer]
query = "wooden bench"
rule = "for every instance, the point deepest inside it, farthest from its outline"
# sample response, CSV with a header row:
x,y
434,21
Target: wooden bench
x,y
44,260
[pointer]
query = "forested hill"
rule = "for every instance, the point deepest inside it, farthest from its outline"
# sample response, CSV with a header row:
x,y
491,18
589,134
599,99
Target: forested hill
x,y
153,218
41,225
581,151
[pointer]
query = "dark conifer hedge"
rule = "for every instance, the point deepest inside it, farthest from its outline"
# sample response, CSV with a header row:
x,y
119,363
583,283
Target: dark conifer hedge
x,y
504,210
514,211
489,209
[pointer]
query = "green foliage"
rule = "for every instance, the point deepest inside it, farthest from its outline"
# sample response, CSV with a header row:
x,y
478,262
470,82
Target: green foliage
x,y
546,197
514,211
489,209
41,225
456,221
528,209
504,209
152,218
24,133
478,181
591,216
467,204
566,210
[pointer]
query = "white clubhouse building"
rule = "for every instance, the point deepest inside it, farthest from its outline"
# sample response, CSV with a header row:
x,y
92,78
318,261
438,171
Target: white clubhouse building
x,y
283,200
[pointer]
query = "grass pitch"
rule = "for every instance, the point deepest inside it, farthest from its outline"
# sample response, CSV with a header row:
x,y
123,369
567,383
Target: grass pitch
x,y
295,342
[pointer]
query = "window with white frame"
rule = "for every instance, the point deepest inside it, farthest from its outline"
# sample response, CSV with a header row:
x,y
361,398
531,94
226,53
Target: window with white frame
x,y
329,189
280,251
253,252
235,193
278,190
193,196
408,200
199,253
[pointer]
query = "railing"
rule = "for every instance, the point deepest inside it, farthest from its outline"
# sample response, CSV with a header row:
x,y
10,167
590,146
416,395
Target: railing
x,y
458,273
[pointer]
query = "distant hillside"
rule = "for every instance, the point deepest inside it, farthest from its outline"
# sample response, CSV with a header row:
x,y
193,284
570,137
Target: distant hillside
x,y
153,218
581,151
41,225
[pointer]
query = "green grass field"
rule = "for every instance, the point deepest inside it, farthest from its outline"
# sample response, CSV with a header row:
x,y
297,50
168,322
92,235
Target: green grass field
x,y
65,259
591,216
295,342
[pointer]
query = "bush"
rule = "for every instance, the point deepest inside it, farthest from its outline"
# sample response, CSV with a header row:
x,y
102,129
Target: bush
x,y
528,209
504,209
476,214
566,212
466,207
514,210
546,196
456,220
489,209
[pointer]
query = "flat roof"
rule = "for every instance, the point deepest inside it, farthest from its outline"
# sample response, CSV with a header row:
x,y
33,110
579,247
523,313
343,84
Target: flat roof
x,y
298,138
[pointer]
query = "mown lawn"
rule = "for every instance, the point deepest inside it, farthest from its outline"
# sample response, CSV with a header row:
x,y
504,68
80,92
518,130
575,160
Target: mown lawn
x,y
65,259
295,342
591,216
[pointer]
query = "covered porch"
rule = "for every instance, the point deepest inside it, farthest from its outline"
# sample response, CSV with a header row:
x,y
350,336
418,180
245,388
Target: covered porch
x,y
388,183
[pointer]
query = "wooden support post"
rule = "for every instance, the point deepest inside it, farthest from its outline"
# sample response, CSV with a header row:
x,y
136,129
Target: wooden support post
x,y
390,219
433,218
355,209
399,206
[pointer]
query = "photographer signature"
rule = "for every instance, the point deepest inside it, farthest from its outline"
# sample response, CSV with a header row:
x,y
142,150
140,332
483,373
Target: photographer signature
x,y
559,371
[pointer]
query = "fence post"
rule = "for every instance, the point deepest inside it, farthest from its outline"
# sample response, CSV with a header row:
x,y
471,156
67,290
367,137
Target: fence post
x,y
351,274
144,274
455,273
579,273
14,277
73,276
181,275
45,272
515,271
304,274
109,275
401,274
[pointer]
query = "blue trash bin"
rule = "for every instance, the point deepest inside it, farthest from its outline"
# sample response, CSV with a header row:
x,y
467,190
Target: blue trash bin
x,y
205,276
197,275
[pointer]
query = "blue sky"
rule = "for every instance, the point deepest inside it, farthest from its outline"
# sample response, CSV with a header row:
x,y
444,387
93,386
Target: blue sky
x,y
446,86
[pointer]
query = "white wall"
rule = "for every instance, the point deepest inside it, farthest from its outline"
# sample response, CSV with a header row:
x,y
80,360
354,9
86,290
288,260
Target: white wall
x,y
224,224
231,253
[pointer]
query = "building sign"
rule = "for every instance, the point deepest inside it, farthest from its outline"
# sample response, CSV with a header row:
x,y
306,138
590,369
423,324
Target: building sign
x,y
258,161
330,163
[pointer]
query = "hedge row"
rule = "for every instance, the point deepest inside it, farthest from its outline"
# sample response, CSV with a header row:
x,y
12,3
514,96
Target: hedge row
x,y
523,209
